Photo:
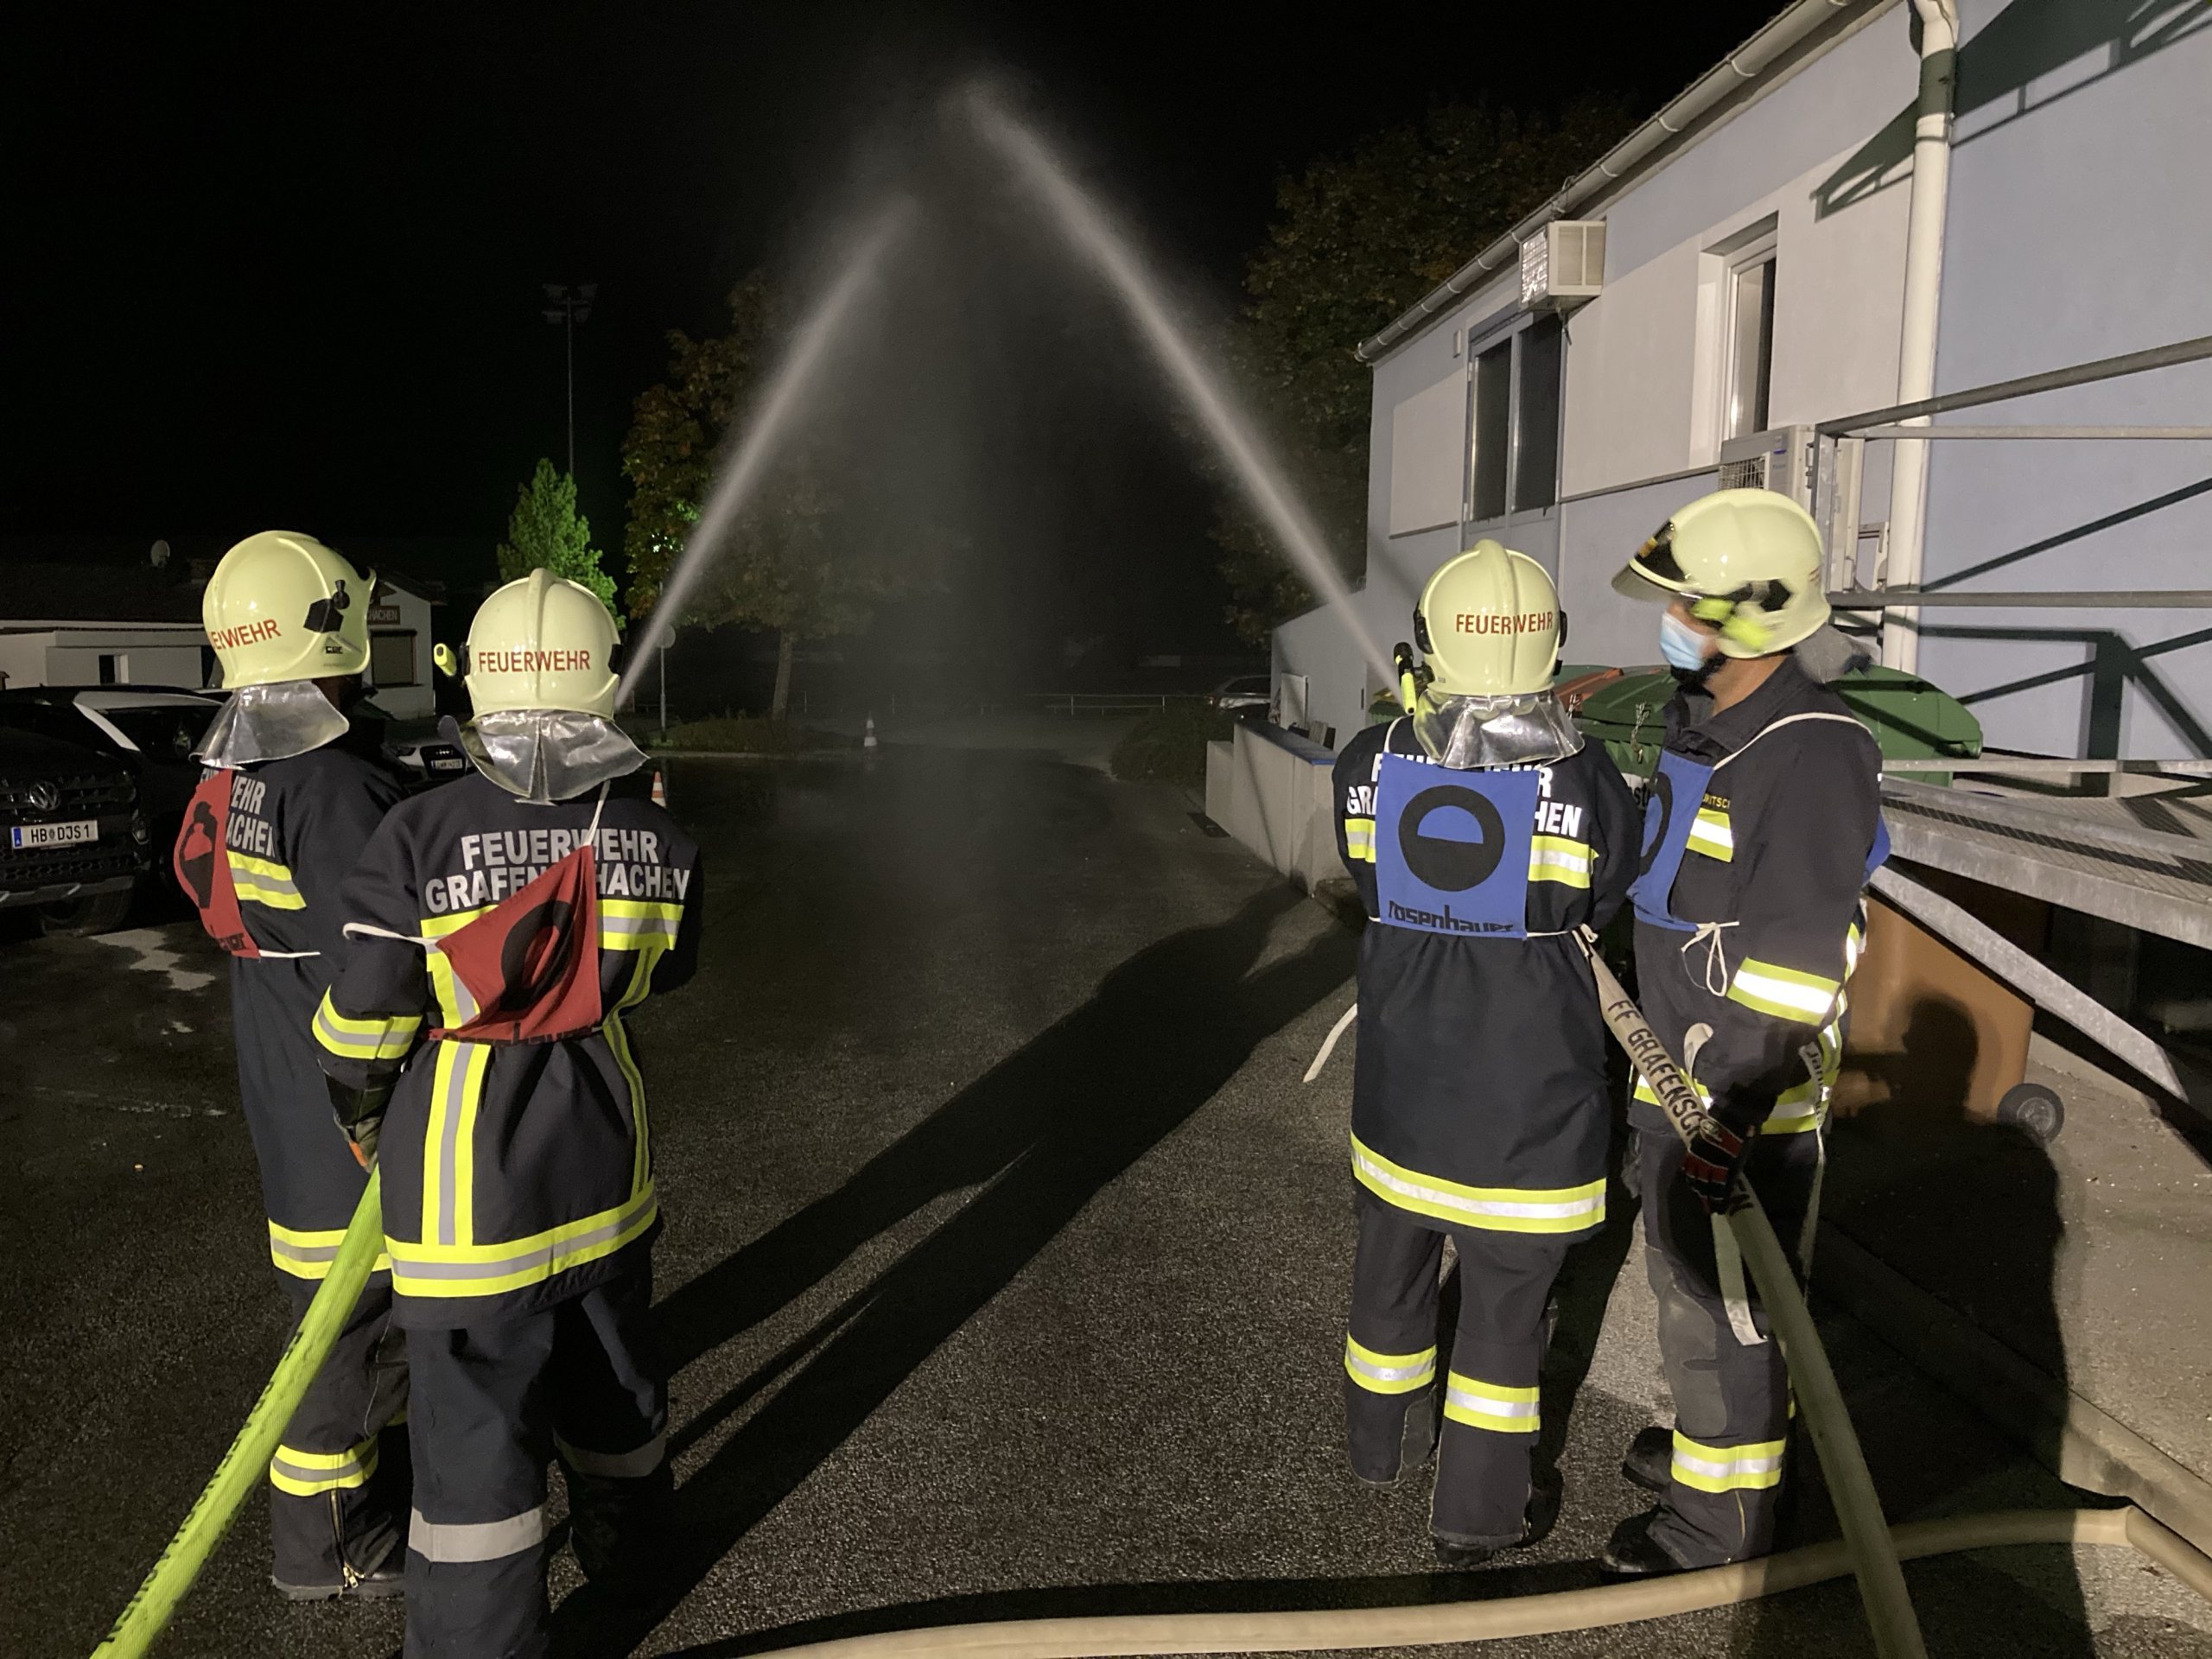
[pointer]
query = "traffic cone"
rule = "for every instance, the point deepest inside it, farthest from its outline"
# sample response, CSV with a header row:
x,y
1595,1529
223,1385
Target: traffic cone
x,y
869,742
660,788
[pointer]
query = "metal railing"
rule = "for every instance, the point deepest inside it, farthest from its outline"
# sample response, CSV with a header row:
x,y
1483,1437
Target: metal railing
x,y
1111,702
1837,468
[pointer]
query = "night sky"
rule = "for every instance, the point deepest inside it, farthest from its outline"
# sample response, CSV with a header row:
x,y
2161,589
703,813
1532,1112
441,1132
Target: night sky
x,y
265,269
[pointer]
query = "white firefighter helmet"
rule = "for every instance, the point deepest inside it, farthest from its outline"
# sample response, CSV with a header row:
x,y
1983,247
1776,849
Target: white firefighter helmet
x,y
1489,624
541,643
283,607
1748,561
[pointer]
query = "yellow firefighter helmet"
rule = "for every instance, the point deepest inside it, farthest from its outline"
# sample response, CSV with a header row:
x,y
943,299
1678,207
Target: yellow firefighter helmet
x,y
1748,561
543,642
1489,624
281,607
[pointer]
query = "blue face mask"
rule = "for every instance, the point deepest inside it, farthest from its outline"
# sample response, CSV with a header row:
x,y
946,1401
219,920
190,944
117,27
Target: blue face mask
x,y
1682,645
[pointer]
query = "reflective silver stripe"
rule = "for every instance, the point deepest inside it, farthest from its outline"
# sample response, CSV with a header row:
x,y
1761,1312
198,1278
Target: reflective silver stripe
x,y
637,923
537,1255
1486,1402
479,1540
285,1250
1420,1370
457,1055
615,1465
1467,1206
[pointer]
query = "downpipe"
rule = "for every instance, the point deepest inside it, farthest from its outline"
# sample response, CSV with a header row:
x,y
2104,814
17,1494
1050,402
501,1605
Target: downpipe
x,y
1923,298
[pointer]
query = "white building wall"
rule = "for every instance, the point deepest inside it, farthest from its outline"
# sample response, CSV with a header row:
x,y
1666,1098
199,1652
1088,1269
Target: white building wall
x,y
2080,227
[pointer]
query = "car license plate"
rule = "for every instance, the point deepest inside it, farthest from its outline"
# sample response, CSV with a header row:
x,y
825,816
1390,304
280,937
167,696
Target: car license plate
x,y
54,835
448,763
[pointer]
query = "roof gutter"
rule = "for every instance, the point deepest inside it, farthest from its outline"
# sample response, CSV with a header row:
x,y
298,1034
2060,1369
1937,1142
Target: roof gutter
x,y
1717,86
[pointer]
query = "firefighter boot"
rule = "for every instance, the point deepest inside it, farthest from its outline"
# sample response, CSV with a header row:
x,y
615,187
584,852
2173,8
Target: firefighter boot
x,y
1388,1436
1651,1459
1545,1493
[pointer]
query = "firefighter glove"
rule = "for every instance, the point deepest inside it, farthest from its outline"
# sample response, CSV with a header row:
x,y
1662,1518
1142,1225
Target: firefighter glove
x,y
1710,1164
360,1113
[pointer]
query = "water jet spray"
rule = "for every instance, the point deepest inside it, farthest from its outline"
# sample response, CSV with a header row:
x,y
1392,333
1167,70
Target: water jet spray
x,y
763,424
1202,386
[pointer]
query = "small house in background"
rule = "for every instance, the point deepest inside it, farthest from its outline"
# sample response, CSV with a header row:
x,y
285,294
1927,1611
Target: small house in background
x,y
84,623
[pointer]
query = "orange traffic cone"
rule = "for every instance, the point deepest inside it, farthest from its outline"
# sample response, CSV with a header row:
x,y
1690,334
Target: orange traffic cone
x,y
869,742
660,788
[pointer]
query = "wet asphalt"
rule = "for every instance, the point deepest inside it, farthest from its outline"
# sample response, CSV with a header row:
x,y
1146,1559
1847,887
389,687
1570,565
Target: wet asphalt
x,y
1004,1274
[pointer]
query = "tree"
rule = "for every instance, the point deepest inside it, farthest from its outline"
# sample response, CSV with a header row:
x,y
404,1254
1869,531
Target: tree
x,y
1358,239
546,530
793,562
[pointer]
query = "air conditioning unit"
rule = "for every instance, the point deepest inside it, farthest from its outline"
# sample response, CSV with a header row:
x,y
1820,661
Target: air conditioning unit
x,y
1563,264
1780,459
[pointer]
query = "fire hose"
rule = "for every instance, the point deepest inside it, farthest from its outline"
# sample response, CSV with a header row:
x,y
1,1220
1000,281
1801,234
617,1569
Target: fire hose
x,y
1869,1549
245,1464
1866,1534
1867,1546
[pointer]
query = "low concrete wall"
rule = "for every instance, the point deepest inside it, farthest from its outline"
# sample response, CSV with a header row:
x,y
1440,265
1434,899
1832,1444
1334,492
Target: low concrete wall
x,y
1270,790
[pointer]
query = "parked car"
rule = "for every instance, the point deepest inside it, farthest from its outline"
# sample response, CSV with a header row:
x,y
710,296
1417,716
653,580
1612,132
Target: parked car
x,y
1246,694
152,729
73,841
418,751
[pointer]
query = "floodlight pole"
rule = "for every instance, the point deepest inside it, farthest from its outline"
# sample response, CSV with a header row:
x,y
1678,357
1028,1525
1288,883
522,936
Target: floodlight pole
x,y
568,307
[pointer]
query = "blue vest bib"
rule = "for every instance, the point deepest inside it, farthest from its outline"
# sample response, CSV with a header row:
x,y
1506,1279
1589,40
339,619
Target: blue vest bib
x,y
1452,848
1671,812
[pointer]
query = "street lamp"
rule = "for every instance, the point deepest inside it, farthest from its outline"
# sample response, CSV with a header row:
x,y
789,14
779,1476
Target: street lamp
x,y
568,307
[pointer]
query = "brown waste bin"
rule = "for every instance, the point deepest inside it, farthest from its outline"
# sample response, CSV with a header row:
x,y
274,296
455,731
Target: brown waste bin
x,y
1931,1028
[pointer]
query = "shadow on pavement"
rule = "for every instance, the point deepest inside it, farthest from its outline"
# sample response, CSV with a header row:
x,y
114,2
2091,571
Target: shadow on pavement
x,y
1046,1130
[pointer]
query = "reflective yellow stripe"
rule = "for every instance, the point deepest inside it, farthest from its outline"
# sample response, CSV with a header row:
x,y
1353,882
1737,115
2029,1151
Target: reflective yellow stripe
x,y
380,1038
1801,1107
638,924
1500,1209
488,1269
1490,1405
305,1474
1785,993
436,927
1727,1468
308,1254
277,875
1380,1373
1712,834
1359,840
1556,858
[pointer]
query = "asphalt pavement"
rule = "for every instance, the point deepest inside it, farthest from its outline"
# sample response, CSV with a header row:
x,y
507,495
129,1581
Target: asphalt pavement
x,y
1004,1271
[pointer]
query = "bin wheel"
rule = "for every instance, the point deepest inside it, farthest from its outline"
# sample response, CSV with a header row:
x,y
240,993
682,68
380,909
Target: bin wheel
x,y
2034,1107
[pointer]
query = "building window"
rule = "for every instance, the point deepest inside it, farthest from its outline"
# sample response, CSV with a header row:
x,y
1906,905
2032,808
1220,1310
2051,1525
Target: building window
x,y
1514,394
1491,439
392,659
1535,423
114,670
1749,340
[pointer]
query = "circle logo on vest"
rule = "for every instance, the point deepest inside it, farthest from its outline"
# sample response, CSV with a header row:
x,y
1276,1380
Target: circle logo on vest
x,y
1451,838
536,954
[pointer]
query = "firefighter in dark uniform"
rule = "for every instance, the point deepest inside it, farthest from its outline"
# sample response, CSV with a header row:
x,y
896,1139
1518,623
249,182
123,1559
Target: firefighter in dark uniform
x,y
499,931
1480,832
1761,827
293,791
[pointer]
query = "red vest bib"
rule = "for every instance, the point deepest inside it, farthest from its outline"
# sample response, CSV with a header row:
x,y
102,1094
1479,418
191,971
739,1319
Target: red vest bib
x,y
527,970
201,860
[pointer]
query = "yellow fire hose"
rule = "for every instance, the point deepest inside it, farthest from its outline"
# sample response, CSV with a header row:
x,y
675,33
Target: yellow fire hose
x,y
245,1464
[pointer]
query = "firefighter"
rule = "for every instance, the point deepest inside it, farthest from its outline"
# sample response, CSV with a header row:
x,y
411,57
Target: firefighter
x,y
499,931
293,791
1480,831
1761,827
